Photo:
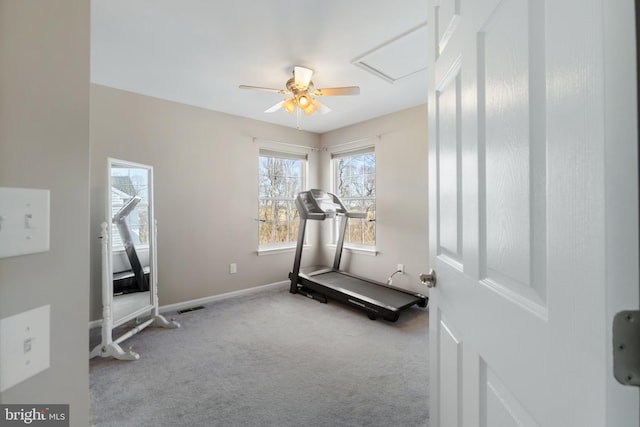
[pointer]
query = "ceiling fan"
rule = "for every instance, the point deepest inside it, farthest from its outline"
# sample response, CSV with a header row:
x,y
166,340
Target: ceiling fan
x,y
302,94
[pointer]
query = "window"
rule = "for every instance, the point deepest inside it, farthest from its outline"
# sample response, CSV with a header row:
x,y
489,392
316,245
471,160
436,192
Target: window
x,y
355,184
281,178
125,184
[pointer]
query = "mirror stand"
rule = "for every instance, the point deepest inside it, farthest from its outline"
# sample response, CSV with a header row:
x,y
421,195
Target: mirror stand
x,y
110,347
129,274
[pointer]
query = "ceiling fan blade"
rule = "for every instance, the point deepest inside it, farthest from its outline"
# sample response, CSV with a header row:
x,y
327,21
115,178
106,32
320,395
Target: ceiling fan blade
x,y
335,91
302,77
274,107
265,89
322,109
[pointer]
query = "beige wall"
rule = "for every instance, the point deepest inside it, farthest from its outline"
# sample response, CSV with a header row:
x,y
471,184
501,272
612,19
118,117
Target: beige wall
x,y
400,141
205,167
206,191
44,143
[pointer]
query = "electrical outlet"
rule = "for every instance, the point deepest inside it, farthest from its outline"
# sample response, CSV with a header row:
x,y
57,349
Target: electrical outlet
x,y
400,268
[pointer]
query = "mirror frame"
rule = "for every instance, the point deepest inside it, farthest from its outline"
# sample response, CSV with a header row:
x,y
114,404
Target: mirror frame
x,y
111,163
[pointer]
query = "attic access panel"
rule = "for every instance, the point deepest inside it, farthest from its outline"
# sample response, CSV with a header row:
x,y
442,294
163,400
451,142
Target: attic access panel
x,y
399,57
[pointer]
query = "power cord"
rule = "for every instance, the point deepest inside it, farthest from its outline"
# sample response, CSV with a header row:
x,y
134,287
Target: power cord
x,y
390,279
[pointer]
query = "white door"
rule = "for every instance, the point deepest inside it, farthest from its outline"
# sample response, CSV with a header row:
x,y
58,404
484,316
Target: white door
x,y
533,210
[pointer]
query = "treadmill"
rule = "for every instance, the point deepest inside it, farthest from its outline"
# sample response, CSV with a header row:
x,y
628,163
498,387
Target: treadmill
x,y
374,298
136,279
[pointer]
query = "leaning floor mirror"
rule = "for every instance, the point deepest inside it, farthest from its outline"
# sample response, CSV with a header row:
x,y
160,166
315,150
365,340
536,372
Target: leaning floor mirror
x,y
129,258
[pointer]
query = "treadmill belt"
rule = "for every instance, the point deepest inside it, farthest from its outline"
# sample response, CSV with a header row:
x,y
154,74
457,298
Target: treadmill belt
x,y
385,296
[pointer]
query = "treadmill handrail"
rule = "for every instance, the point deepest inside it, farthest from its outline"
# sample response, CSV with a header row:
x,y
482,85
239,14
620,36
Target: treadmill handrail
x,y
354,214
125,210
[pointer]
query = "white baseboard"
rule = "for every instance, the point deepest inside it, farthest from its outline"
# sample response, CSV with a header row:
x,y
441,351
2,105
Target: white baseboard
x,y
200,301
205,300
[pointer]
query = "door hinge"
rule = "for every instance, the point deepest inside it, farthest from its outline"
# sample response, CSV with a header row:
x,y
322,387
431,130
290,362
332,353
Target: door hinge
x,y
626,347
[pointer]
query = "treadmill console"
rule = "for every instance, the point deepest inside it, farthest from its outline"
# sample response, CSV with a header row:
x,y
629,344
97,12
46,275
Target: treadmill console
x,y
318,205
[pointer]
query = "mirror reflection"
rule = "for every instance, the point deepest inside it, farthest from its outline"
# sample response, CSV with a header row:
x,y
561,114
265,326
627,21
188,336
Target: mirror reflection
x,y
131,234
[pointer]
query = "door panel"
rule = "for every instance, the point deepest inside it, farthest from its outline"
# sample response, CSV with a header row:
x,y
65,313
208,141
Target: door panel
x,y
500,407
512,150
451,375
448,146
446,15
505,85
517,215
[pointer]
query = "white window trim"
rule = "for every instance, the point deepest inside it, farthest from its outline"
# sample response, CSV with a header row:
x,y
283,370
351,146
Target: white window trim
x,y
356,249
354,148
281,248
295,151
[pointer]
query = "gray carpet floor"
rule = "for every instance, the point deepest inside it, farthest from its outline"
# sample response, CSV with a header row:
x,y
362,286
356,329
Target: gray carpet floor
x,y
268,359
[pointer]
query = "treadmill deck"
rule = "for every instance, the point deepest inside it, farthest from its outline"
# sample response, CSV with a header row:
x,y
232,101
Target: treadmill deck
x,y
362,289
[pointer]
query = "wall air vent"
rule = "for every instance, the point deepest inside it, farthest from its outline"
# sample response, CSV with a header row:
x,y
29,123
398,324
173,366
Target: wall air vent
x,y
398,58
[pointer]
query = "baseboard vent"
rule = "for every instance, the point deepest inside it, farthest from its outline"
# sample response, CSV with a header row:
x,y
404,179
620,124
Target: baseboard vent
x,y
186,310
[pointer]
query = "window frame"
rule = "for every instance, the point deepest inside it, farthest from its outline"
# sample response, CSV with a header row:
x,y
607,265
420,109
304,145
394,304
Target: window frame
x,y
279,247
333,157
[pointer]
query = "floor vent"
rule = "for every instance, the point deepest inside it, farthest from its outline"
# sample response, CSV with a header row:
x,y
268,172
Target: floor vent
x,y
187,310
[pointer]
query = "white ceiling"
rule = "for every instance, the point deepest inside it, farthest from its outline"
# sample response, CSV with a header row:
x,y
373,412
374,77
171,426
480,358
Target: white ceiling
x,y
198,52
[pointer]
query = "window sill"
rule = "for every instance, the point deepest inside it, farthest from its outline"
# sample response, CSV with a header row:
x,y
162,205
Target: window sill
x,y
274,250
360,250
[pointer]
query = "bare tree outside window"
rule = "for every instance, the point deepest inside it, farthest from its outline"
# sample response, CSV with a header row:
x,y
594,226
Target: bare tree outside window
x,y
280,181
355,182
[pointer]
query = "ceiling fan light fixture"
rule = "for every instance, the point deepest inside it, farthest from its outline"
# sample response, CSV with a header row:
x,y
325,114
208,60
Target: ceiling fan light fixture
x,y
302,95
309,109
303,101
289,105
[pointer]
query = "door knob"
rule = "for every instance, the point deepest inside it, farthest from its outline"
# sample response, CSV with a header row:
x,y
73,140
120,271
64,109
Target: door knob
x,y
429,279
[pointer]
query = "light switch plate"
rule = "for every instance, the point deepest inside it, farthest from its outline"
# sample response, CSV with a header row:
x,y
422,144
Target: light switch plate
x,y
24,345
24,221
